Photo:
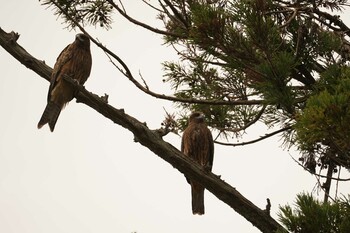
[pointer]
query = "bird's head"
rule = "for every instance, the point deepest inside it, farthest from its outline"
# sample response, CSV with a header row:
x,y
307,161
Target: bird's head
x,y
197,117
82,39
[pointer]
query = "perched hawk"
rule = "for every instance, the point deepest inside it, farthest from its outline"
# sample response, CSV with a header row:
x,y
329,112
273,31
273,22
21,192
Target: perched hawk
x,y
197,143
74,61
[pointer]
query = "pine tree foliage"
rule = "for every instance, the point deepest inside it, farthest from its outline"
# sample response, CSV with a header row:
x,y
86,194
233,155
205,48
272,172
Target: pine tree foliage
x,y
309,215
278,51
323,126
85,12
292,56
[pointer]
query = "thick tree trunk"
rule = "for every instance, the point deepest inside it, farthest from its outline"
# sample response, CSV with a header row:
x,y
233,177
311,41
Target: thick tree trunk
x,y
327,184
152,140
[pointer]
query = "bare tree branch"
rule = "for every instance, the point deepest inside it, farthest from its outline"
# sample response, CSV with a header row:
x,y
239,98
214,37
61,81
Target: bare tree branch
x,y
150,139
255,140
146,26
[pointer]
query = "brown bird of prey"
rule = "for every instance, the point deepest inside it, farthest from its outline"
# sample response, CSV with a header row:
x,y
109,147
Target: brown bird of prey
x,y
74,61
197,143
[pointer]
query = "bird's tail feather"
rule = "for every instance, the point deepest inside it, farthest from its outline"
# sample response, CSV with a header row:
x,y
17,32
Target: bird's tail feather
x,y
50,115
197,198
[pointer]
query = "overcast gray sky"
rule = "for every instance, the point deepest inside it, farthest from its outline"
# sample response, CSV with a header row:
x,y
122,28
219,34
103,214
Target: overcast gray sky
x,y
89,175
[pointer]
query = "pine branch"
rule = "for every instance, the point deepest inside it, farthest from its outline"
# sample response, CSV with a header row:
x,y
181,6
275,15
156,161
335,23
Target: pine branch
x,y
150,139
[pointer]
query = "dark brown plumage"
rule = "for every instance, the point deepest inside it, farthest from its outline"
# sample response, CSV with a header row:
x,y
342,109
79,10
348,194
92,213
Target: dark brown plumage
x,y
197,143
74,61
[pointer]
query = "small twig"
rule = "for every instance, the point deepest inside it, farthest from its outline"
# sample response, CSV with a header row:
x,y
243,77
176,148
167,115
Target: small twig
x,y
146,26
256,140
115,65
295,12
144,81
121,3
268,206
153,7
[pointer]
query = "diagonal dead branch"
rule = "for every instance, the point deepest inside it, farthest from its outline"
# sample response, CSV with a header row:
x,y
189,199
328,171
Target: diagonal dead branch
x,y
151,140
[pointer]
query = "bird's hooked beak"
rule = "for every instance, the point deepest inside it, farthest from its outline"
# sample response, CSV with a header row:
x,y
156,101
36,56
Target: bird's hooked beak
x,y
201,116
80,37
